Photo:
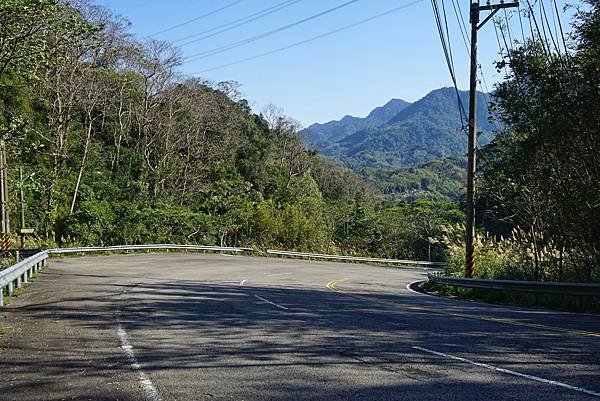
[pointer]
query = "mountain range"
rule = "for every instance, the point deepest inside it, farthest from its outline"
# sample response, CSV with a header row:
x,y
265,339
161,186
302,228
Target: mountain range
x,y
399,133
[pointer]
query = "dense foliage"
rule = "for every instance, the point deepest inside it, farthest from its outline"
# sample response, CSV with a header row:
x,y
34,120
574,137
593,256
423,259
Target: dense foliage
x,y
542,174
117,148
442,179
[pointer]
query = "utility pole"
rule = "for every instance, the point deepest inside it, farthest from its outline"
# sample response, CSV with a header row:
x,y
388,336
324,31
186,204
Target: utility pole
x,y
476,8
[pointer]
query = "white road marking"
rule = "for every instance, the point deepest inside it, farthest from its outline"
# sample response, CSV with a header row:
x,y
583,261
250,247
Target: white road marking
x,y
242,282
278,274
411,290
127,348
511,372
269,302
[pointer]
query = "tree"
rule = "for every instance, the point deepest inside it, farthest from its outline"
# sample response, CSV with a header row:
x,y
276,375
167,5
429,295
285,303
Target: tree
x,y
542,172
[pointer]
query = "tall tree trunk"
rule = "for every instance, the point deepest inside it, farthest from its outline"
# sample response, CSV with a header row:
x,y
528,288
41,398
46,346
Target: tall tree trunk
x,y
82,166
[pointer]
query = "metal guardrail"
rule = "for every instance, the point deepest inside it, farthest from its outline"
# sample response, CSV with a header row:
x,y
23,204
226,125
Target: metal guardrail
x,y
355,258
18,274
532,287
91,249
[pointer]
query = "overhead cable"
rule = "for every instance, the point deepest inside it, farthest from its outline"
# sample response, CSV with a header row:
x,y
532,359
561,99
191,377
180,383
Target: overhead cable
x,y
313,38
197,18
442,29
209,33
221,49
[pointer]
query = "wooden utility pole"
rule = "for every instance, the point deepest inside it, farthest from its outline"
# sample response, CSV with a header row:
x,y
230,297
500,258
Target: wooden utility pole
x,y
471,164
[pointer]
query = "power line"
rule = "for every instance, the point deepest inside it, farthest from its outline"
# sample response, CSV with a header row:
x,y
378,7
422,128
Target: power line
x,y
481,77
311,39
562,33
463,31
197,37
537,28
461,24
446,47
521,23
447,33
510,36
229,5
500,48
554,42
542,13
221,49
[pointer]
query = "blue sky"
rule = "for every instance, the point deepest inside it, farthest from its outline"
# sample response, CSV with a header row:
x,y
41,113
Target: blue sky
x,y
351,72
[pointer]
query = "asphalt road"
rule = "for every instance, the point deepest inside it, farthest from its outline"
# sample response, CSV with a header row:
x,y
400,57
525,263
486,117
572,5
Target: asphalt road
x,y
185,326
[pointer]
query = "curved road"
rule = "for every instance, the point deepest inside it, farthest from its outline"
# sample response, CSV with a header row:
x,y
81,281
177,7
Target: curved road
x,y
186,326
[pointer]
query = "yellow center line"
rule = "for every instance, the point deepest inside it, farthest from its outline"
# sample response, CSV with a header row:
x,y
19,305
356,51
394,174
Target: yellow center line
x,y
332,286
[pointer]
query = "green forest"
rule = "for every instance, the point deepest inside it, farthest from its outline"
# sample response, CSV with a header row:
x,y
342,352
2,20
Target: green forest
x,y
110,144
117,148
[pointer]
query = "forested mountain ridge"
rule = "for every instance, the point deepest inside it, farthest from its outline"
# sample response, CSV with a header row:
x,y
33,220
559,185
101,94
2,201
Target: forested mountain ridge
x,y
425,130
320,136
442,179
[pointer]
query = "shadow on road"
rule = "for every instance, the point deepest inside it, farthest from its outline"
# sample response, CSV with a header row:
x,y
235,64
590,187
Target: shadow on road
x,y
222,339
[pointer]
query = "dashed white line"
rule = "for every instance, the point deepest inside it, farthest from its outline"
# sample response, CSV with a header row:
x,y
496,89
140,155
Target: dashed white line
x,y
278,274
272,303
510,372
127,348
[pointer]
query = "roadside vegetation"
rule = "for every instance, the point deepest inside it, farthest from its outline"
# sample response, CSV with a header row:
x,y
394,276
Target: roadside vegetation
x,y
539,184
541,176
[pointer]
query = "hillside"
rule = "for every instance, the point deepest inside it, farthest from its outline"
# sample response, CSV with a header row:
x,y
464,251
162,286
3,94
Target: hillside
x,y
320,136
118,148
426,130
436,180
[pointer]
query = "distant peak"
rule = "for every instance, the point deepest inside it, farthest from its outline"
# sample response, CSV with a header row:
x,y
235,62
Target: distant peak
x,y
396,100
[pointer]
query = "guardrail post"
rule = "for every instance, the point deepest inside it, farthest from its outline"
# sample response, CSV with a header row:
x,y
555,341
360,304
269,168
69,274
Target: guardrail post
x,y
10,288
19,281
25,276
1,296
